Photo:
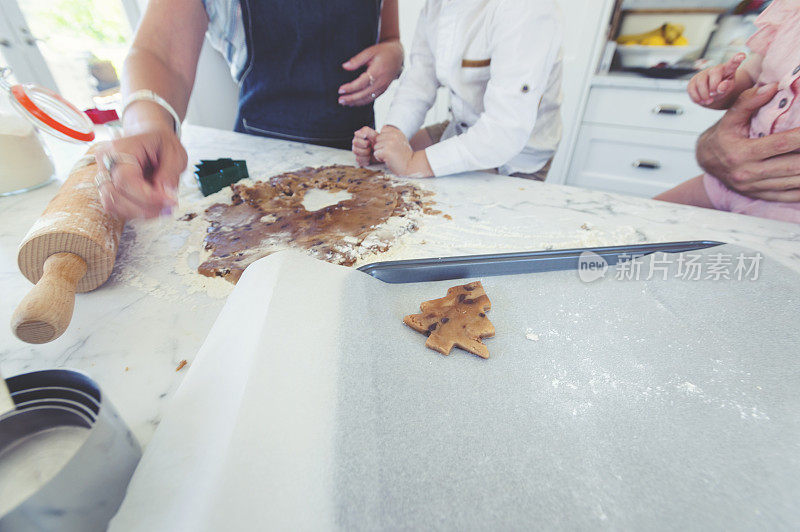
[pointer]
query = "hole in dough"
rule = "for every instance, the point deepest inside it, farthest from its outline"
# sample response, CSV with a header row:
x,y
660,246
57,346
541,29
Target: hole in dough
x,y
316,199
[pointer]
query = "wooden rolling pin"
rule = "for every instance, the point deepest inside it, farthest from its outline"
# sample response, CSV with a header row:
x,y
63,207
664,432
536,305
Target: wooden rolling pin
x,y
71,248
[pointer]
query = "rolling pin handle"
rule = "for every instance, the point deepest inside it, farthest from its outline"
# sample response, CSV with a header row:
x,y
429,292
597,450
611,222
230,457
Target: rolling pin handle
x,y
44,314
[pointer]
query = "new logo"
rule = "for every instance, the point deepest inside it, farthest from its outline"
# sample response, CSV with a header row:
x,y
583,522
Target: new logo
x,y
591,266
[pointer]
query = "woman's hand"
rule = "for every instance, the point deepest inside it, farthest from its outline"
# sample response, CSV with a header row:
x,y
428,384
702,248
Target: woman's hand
x,y
393,149
764,168
384,62
363,143
142,181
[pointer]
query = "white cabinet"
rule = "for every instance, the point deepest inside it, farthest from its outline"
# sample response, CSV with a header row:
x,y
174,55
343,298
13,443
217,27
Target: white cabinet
x,y
632,161
663,110
639,139
635,135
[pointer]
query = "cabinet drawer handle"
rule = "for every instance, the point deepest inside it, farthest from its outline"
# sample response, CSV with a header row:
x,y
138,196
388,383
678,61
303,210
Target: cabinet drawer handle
x,y
647,164
667,109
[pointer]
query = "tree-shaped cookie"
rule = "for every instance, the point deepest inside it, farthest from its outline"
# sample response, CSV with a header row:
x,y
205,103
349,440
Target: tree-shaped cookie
x,y
458,319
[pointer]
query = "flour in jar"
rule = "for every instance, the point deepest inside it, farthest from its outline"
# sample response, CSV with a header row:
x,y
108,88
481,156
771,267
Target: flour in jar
x,y
25,164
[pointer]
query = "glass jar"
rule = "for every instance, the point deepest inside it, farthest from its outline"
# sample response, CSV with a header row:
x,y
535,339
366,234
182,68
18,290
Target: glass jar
x,y
25,163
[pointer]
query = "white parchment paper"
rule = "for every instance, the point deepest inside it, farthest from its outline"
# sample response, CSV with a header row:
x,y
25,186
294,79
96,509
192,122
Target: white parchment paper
x,y
650,404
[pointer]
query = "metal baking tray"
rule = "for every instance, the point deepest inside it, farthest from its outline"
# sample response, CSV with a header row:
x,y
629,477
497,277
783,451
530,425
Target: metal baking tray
x,y
447,268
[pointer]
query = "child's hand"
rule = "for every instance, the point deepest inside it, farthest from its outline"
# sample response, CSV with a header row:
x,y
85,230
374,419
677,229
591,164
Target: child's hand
x,y
392,148
363,142
711,86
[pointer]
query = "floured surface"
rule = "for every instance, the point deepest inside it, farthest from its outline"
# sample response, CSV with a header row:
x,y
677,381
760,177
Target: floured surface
x,y
269,216
640,406
472,222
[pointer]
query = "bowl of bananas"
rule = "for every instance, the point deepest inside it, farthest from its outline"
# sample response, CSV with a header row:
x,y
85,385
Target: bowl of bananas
x,y
666,44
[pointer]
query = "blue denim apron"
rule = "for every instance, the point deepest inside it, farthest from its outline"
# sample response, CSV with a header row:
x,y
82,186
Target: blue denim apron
x,y
294,68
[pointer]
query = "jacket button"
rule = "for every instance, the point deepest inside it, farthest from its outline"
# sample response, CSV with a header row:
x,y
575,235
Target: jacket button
x,y
796,70
783,103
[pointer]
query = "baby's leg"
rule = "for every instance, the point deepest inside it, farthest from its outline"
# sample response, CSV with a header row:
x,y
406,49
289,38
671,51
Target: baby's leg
x,y
691,192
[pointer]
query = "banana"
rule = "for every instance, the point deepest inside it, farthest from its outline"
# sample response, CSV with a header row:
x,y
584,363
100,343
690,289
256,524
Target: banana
x,y
655,40
667,34
637,38
672,32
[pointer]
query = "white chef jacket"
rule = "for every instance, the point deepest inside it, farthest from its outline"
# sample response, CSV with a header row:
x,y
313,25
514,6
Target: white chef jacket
x,y
501,61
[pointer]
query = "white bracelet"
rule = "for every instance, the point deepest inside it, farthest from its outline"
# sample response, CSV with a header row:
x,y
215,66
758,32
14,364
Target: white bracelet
x,y
150,96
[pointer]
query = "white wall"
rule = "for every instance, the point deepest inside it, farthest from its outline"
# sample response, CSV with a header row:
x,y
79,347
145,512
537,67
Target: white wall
x,y
215,97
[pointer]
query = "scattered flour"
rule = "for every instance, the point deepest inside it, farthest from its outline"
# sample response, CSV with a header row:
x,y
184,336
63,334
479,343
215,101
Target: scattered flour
x,y
591,381
144,240
45,222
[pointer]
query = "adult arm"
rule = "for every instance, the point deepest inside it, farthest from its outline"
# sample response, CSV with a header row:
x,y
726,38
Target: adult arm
x,y
163,59
384,61
390,22
764,168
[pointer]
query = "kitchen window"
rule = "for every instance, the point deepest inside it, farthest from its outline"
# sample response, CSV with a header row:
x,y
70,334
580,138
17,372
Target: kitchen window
x,y
75,47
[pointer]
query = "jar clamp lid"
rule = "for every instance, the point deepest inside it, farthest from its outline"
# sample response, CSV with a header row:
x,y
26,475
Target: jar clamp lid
x,y
47,110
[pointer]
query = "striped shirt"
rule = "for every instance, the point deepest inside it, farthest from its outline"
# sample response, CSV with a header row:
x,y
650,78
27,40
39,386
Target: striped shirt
x,y
226,33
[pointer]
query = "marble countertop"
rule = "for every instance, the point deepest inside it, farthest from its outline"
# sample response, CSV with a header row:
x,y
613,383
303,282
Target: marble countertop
x,y
131,334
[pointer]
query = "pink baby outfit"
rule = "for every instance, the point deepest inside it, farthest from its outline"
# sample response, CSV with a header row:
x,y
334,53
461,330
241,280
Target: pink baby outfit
x,y
778,41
